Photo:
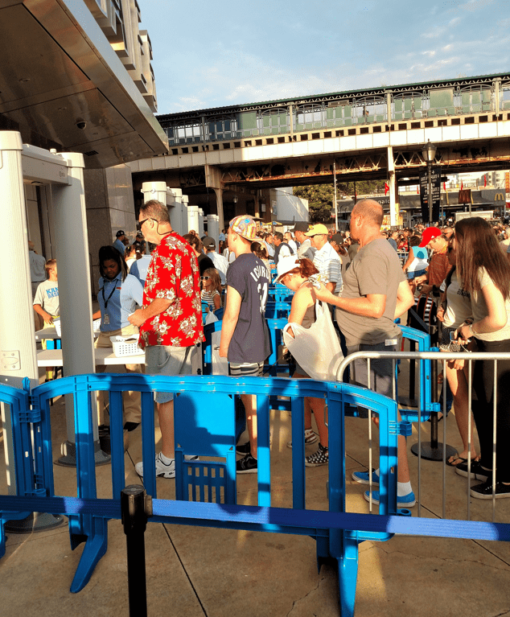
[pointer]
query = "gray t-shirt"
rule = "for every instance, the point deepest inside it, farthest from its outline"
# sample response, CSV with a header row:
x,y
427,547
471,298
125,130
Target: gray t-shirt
x,y
250,341
375,270
47,296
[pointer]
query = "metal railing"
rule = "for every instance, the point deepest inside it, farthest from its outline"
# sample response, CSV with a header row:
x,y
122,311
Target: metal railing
x,y
441,358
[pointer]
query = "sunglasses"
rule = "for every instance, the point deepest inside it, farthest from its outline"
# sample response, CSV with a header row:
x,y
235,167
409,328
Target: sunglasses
x,y
205,278
140,223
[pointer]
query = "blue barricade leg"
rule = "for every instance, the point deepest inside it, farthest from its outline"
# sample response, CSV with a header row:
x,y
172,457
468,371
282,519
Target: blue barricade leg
x,y
2,537
348,576
95,548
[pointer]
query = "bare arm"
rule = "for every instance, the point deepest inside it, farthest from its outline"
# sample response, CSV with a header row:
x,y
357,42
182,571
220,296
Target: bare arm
x,y
331,287
405,299
40,311
157,306
371,305
230,318
495,320
217,302
302,301
410,259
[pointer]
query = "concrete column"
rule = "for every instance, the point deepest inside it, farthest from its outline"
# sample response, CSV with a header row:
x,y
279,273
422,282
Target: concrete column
x,y
291,119
154,190
213,228
193,219
200,222
392,184
388,105
497,86
17,332
219,206
71,241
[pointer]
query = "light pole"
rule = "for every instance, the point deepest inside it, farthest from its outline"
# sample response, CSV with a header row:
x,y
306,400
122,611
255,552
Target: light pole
x,y
429,154
336,206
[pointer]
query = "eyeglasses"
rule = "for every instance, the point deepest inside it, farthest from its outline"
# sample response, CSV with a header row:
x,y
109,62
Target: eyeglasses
x,y
140,223
205,278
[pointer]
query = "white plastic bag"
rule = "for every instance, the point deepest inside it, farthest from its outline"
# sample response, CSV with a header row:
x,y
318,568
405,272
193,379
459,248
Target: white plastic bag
x,y
210,318
219,365
316,349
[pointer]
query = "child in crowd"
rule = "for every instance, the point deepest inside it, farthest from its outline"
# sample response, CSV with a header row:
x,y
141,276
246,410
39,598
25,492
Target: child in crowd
x,y
211,288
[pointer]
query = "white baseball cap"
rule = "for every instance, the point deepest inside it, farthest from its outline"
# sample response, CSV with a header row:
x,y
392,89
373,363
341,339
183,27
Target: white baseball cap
x,y
285,265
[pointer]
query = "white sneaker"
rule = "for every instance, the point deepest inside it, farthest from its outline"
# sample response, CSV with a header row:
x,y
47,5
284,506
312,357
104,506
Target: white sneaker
x,y
162,469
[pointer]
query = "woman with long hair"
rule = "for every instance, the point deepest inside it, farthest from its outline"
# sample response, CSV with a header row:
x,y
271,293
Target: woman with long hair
x,y
295,273
485,275
455,311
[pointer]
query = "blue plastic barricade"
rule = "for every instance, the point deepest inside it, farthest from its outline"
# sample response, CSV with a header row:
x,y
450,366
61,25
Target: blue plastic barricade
x,y
206,430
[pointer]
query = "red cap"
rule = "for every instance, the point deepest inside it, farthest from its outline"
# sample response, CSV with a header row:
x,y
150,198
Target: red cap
x,y
428,235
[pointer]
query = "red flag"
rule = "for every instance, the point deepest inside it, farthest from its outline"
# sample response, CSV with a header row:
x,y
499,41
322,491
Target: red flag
x,y
386,188
461,185
417,190
444,186
485,181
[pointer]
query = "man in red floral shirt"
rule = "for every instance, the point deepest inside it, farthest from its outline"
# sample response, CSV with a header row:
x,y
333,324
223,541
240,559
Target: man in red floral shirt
x,y
170,321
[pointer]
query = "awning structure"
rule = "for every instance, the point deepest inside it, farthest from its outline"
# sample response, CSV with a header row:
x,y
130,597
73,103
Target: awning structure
x,y
63,86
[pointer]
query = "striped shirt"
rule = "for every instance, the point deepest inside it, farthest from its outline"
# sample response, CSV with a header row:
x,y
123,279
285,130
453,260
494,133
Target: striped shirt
x,y
329,266
208,296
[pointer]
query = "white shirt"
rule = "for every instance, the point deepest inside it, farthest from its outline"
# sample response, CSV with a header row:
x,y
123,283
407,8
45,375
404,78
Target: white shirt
x,y
329,266
37,270
292,245
221,264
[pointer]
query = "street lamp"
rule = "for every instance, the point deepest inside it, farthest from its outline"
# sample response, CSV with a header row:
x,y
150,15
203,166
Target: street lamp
x,y
429,155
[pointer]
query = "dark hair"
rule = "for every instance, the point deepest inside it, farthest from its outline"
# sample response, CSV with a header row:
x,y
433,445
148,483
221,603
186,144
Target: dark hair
x,y
259,250
306,268
279,235
154,209
414,241
477,247
110,252
194,241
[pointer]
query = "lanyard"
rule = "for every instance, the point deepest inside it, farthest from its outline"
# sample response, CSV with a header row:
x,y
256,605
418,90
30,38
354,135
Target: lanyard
x,y
111,294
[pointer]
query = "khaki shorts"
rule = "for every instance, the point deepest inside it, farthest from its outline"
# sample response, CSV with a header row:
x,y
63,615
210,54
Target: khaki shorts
x,y
168,360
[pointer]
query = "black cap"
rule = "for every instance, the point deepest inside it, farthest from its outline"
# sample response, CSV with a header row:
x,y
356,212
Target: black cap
x,y
338,238
119,234
301,226
209,243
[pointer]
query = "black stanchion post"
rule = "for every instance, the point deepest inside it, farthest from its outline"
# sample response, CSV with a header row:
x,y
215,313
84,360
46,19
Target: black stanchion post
x,y
136,506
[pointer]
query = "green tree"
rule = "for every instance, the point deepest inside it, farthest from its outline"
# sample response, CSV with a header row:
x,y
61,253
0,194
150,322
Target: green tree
x,y
321,196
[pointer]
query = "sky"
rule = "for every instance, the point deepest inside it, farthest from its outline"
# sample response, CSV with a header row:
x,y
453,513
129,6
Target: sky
x,y
228,52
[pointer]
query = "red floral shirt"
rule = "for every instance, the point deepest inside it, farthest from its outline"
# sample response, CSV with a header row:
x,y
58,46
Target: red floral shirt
x,y
173,274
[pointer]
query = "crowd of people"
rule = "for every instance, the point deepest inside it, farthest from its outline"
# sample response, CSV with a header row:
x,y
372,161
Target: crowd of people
x,y
369,279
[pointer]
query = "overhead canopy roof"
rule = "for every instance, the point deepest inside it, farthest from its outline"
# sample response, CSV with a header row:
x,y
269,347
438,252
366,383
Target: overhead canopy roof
x,y
62,85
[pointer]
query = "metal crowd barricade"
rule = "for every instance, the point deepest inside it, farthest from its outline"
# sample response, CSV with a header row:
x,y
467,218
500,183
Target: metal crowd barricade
x,y
443,358
204,426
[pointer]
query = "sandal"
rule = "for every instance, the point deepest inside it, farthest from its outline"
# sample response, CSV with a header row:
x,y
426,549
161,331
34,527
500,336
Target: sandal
x,y
456,461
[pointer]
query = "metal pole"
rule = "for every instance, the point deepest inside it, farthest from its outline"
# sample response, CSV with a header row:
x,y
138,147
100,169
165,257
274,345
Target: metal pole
x,y
429,169
335,202
133,501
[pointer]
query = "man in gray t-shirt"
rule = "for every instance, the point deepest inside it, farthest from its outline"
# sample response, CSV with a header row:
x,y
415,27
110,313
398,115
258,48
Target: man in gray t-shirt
x,y
375,293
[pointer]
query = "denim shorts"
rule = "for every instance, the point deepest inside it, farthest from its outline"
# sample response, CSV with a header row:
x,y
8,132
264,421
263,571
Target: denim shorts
x,y
168,360
413,275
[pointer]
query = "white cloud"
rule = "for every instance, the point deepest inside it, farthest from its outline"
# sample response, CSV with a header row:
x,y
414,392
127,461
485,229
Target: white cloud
x,y
430,54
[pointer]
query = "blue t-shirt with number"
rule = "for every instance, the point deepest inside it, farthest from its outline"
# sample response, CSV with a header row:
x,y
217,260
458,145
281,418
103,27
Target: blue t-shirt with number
x,y
250,341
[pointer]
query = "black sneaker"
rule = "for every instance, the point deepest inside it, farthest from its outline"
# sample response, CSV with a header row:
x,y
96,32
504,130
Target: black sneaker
x,y
244,449
319,457
477,471
248,464
131,426
484,491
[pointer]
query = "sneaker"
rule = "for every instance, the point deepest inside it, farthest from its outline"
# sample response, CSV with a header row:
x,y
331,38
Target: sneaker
x,y
477,471
162,469
310,437
484,490
319,457
362,477
404,501
248,464
131,426
243,449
